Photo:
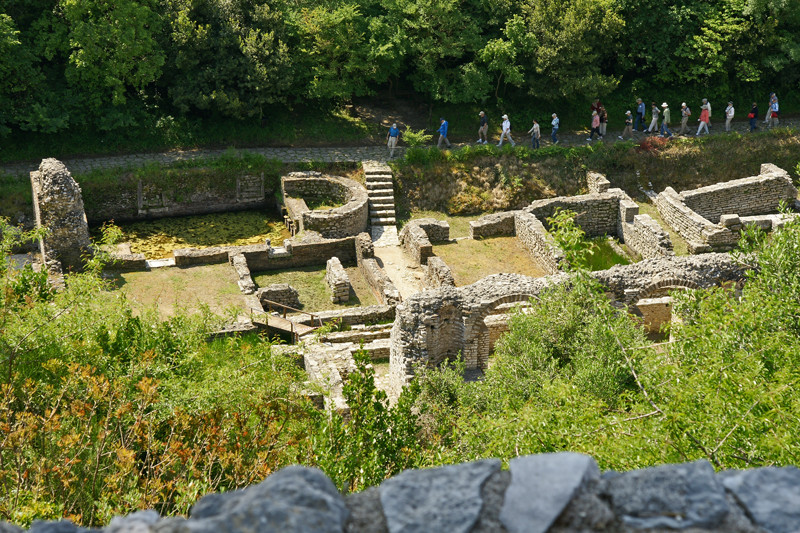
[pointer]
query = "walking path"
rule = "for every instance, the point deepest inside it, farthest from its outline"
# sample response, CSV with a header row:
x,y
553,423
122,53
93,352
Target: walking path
x,y
325,154
287,155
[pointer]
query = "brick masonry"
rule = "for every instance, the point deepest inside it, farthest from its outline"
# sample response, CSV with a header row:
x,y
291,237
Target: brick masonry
x,y
539,243
337,280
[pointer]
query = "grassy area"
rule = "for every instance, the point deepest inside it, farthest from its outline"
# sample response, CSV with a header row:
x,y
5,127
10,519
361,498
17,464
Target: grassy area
x,y
459,225
605,256
471,260
314,293
193,289
679,245
158,238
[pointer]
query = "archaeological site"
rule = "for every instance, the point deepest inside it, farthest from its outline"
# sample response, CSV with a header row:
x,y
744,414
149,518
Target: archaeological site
x,y
419,313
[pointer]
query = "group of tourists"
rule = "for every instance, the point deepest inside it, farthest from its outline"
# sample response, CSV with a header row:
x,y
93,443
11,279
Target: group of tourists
x,y
599,122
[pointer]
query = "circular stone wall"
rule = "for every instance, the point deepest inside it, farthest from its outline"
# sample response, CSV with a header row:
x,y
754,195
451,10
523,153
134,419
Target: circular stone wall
x,y
343,221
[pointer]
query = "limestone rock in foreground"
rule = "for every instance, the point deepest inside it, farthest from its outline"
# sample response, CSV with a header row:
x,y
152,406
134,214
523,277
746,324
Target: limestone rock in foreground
x,y
770,495
436,499
294,499
670,496
541,487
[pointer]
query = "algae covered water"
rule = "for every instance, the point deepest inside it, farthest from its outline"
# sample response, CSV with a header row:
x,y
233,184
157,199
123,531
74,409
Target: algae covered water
x,y
157,239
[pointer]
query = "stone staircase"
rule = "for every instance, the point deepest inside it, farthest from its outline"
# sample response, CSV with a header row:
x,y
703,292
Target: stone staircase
x,y
380,189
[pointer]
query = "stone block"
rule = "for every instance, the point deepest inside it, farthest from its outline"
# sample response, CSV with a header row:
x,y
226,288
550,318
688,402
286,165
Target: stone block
x,y
436,499
596,182
671,497
655,312
280,293
541,487
337,280
770,495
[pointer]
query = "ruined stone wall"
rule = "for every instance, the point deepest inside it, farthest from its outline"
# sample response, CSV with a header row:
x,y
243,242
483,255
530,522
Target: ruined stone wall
x,y
382,287
597,183
701,235
493,225
641,233
436,230
348,219
755,195
58,207
373,314
337,280
438,324
281,293
538,242
596,214
311,250
554,492
415,242
438,274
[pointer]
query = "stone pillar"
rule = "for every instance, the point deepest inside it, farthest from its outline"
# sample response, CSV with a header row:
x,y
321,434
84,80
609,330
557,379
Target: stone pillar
x,y
58,206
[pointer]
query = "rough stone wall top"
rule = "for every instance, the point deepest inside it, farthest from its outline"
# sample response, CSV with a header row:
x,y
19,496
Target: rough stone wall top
x,y
596,214
755,195
343,221
596,182
58,206
554,492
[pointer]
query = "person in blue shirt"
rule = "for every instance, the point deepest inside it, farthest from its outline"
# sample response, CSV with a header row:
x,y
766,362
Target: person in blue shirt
x,y
640,109
391,139
442,133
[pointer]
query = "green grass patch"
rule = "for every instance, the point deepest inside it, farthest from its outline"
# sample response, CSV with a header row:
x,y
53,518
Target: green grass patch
x,y
471,260
605,256
679,245
314,294
459,225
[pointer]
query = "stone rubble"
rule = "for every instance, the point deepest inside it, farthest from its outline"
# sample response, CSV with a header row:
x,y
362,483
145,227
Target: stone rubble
x,y
555,492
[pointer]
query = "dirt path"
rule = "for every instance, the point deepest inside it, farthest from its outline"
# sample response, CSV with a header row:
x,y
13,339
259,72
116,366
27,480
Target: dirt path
x,y
406,276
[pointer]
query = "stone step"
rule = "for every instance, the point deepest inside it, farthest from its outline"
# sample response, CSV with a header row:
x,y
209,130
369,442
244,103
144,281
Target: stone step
x,y
381,193
381,204
382,221
377,171
378,177
379,185
383,213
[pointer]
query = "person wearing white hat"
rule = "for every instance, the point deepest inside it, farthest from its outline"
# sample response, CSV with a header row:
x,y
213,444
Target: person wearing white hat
x,y
728,116
483,129
685,114
506,132
391,139
628,126
665,119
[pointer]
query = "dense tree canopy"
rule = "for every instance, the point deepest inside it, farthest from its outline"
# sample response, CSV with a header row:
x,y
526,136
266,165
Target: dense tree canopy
x,y
111,65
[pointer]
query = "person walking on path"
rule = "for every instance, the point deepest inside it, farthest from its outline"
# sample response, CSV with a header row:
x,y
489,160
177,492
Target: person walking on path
x,y
769,106
442,133
597,105
654,122
728,116
391,139
603,114
773,111
536,134
483,129
753,116
665,120
595,126
628,126
555,123
685,114
704,118
506,132
639,115
708,106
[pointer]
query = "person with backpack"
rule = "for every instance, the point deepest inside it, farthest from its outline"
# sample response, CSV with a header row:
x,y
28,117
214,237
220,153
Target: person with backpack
x,y
704,118
665,119
391,139
443,133
483,129
773,111
753,117
603,114
628,126
728,116
639,115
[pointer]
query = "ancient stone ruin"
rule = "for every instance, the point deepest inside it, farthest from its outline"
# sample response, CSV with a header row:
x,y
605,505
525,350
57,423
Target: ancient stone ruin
x,y
554,492
58,207
710,218
345,220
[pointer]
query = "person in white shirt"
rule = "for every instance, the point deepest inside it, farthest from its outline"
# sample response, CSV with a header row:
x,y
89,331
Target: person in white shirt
x,y
728,116
773,112
506,132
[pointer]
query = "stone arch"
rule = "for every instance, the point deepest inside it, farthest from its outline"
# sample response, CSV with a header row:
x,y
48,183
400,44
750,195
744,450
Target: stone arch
x,y
662,286
477,346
